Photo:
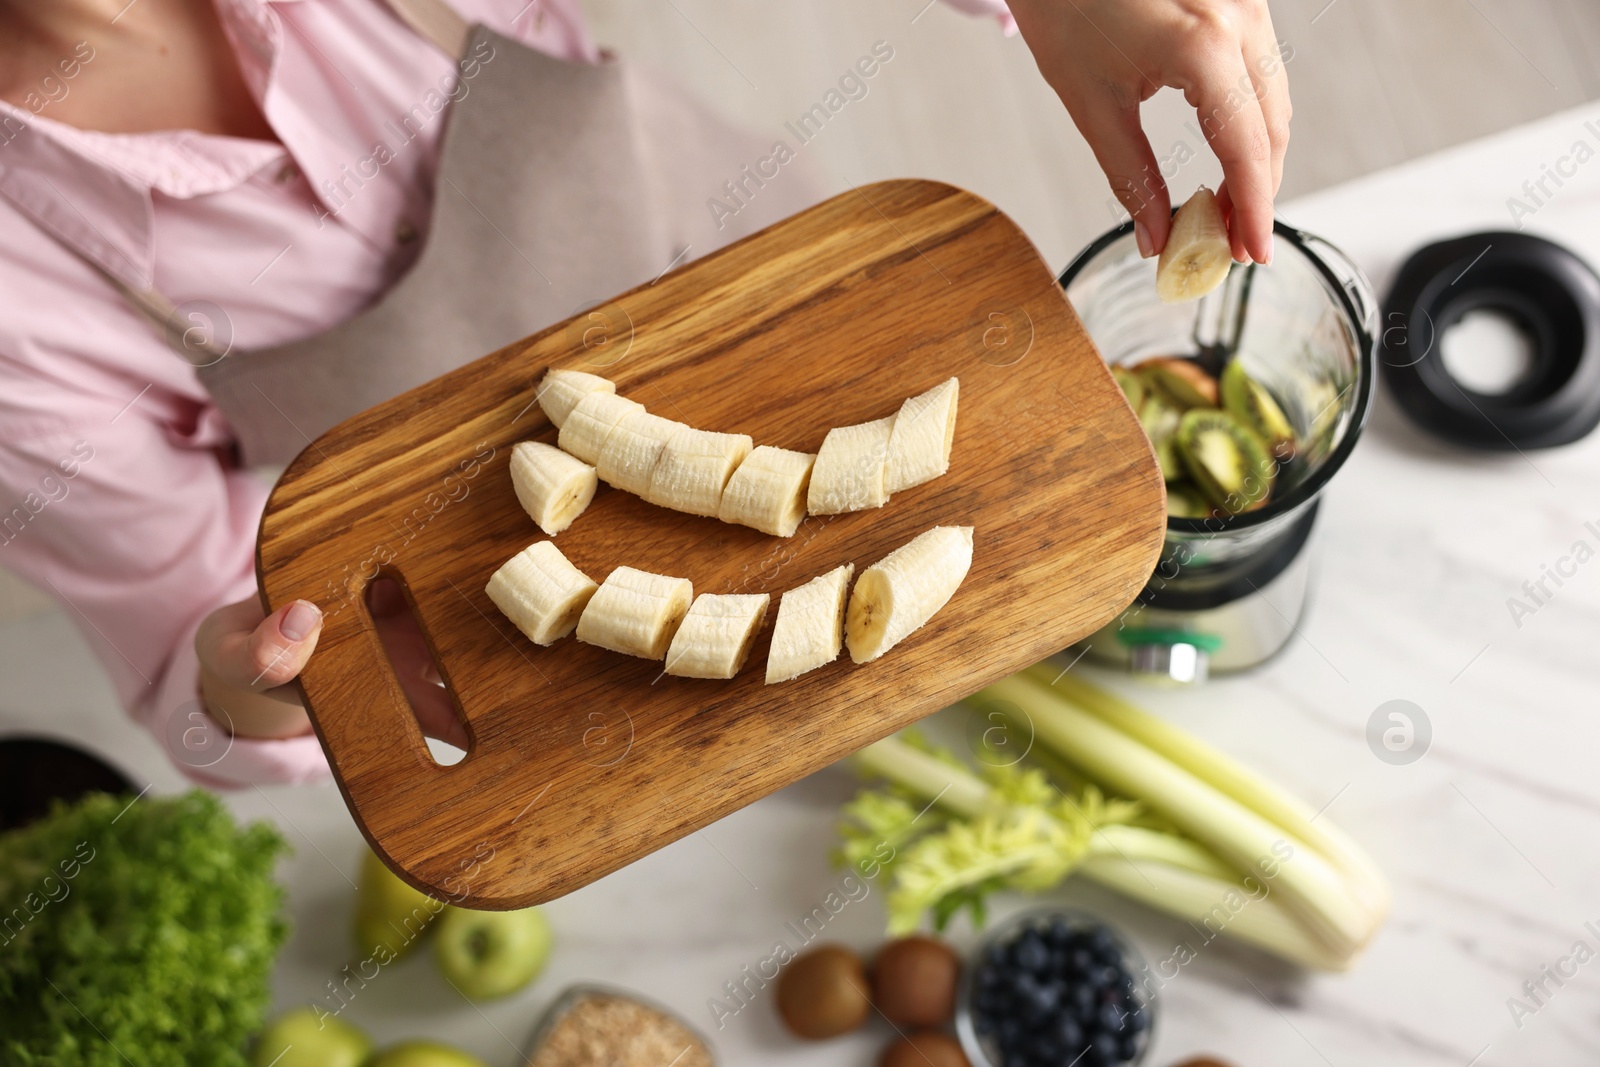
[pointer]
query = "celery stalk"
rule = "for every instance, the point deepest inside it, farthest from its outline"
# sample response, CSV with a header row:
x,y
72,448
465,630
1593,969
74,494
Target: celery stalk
x,y
1170,873
1264,923
1137,842
1307,882
957,790
1223,773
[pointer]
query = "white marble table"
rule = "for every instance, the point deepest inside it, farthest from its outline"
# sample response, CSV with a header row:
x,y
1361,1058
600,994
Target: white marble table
x,y
1490,838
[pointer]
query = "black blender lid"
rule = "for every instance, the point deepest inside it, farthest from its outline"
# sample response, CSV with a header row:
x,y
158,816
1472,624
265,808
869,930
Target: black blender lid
x,y
1542,287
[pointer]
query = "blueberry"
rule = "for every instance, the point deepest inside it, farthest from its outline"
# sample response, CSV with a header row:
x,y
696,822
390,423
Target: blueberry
x,y
1083,1002
1059,933
1128,1047
1103,942
1030,952
1079,960
1112,1018
1036,1001
1070,1033
1106,1047
1104,978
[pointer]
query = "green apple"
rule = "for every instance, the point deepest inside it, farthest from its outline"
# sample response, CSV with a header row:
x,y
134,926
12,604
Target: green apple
x,y
423,1054
390,915
298,1038
488,954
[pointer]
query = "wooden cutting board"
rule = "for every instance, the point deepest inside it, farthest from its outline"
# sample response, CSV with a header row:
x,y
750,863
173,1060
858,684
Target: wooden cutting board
x,y
581,760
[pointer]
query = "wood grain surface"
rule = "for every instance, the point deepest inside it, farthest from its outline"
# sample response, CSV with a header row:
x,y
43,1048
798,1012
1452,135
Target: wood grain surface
x,y
582,760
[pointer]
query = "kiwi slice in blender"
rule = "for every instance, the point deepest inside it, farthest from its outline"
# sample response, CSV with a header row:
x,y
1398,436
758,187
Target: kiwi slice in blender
x,y
1248,401
1160,421
1185,502
1228,462
1181,381
1131,386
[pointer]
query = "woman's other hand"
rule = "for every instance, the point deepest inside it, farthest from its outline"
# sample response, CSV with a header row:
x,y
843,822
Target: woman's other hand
x,y
1105,57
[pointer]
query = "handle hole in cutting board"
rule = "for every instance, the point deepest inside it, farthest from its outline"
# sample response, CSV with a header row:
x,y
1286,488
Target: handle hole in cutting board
x,y
404,646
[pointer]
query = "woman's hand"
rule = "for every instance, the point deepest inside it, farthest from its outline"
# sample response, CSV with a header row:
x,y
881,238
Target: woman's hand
x,y
247,660
1105,57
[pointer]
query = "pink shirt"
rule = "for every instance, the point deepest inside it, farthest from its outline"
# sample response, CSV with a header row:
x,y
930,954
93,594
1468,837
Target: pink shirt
x,y
113,493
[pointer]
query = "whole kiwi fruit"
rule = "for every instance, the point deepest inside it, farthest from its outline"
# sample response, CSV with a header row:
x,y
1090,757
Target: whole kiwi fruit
x,y
823,993
928,1048
914,981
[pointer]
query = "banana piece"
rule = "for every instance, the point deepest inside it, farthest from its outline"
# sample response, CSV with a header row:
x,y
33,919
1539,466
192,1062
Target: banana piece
x,y
635,612
541,592
694,470
716,635
810,625
898,594
629,456
768,491
552,486
561,390
919,445
848,475
590,423
1197,256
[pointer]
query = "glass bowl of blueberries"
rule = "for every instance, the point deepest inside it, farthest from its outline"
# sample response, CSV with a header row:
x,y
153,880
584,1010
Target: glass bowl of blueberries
x,y
1054,987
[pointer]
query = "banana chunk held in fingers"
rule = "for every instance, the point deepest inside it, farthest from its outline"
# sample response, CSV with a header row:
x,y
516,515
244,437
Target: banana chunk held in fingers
x,y
716,635
589,425
897,595
810,625
561,390
1197,255
629,456
694,469
924,429
848,475
768,491
635,612
541,592
552,486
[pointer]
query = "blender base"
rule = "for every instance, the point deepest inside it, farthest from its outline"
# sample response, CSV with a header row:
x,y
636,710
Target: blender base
x,y
1185,646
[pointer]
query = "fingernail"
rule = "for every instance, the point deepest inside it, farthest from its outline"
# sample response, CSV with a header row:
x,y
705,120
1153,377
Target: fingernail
x,y
1141,235
298,622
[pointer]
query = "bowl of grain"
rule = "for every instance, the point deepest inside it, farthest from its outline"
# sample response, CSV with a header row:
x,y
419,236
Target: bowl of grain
x,y
593,1025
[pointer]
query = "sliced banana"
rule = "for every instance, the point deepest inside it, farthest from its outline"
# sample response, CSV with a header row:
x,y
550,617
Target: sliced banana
x,y
635,612
631,451
768,491
924,429
898,594
541,592
1197,256
810,625
552,486
694,470
716,635
589,424
561,390
848,475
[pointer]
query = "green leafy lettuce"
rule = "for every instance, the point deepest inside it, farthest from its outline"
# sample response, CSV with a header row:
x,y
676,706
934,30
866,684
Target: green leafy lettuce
x,y
136,931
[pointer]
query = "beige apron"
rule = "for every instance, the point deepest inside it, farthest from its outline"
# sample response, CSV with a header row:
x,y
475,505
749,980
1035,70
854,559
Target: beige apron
x,y
560,185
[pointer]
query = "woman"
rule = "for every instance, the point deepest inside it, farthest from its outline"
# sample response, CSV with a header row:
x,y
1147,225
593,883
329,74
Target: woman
x,y
269,184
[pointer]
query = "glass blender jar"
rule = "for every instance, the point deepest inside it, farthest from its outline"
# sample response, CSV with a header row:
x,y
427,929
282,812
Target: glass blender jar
x,y
1229,590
